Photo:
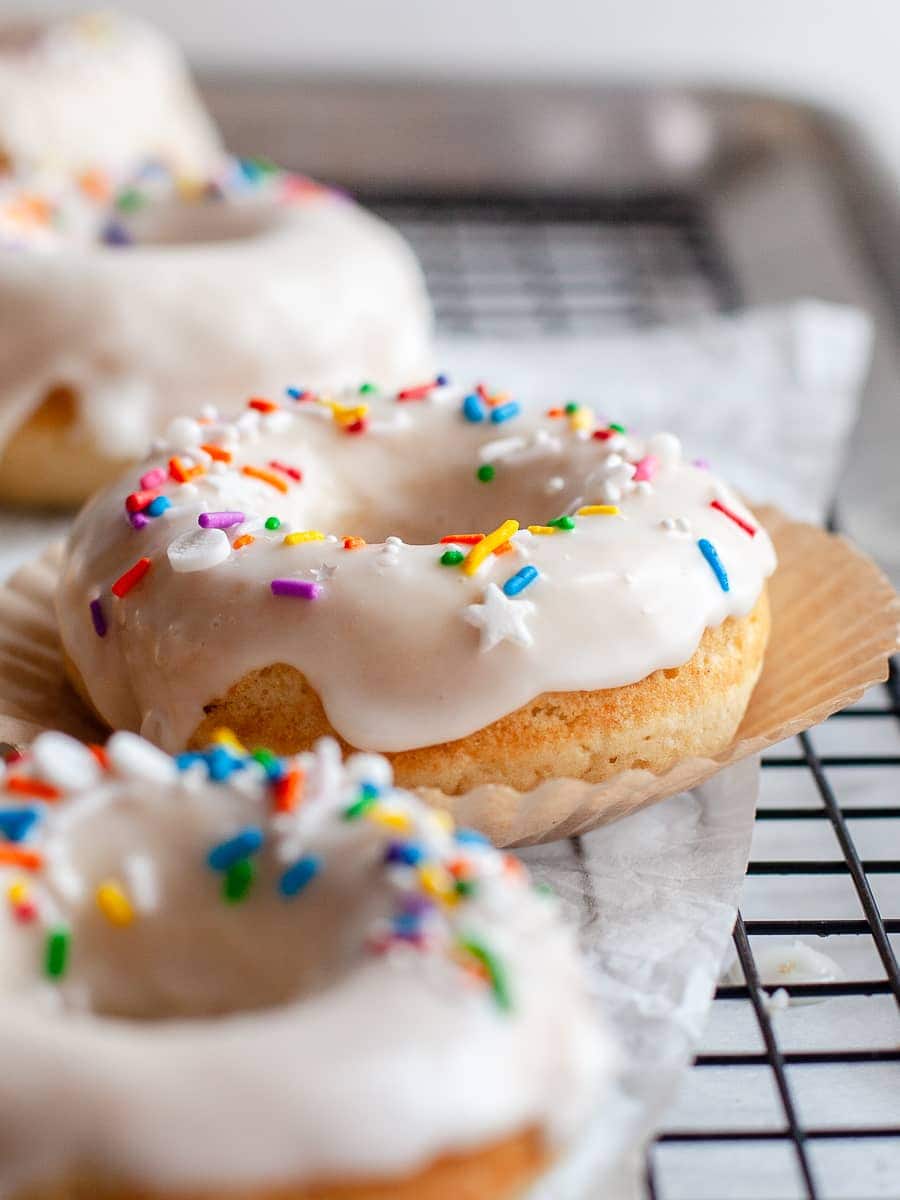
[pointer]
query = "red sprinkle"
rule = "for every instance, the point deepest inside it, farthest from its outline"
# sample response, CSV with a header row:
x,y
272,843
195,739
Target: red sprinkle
x,y
100,754
289,792
360,425
463,539
354,543
131,578
287,470
32,787
416,393
602,435
139,500
732,516
26,912
261,405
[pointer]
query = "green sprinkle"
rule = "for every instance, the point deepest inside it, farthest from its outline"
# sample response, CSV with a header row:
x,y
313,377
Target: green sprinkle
x,y
571,407
266,759
486,473
617,428
366,389
544,889
452,558
56,951
238,881
496,973
129,201
562,522
466,887
360,806
273,523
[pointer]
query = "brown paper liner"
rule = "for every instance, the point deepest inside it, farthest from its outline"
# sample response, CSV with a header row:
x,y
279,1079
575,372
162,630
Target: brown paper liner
x,y
835,621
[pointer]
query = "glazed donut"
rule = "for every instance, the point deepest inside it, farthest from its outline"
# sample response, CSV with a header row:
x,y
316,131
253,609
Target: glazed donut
x,y
98,90
127,304
485,594
231,975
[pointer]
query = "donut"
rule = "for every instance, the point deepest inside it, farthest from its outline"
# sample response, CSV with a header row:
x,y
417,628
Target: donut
x,y
127,302
63,79
234,975
485,593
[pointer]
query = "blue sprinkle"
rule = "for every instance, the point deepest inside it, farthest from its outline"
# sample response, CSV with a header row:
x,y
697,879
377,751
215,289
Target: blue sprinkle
x,y
115,234
473,408
406,924
17,823
158,506
295,393
472,837
185,761
407,854
708,550
442,380
220,764
242,845
369,791
520,581
297,877
504,412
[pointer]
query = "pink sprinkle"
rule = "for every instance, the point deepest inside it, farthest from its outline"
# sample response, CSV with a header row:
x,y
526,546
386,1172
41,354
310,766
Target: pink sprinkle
x,y
646,469
220,520
138,520
702,464
300,589
153,478
25,912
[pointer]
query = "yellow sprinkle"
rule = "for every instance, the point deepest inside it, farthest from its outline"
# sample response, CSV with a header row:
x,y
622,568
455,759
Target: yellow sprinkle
x,y
389,818
443,820
599,510
581,419
487,545
18,892
543,530
114,904
346,414
438,883
224,737
305,535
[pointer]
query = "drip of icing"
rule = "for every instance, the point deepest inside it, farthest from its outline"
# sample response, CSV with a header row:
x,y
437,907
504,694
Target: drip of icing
x,y
419,996
409,641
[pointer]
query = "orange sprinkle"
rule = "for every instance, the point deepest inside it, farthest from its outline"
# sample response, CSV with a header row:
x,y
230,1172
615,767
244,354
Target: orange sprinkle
x,y
182,474
101,756
13,856
463,539
244,540
266,476
261,405
95,184
460,868
289,792
217,453
131,578
512,865
556,412
32,787
354,543
504,548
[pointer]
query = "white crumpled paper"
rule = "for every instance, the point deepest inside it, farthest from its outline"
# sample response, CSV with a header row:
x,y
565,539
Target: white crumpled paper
x,y
655,898
769,397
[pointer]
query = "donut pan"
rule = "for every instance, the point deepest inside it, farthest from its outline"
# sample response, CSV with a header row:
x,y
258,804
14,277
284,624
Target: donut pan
x,y
834,625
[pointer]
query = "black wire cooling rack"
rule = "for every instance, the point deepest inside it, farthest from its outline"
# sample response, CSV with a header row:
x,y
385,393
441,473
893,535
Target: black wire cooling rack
x,y
500,266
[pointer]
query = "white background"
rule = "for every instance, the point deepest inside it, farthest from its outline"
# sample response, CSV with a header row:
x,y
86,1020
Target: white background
x,y
843,53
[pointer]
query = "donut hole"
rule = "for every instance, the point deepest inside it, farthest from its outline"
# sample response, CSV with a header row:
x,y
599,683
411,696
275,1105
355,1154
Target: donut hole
x,y
205,222
192,953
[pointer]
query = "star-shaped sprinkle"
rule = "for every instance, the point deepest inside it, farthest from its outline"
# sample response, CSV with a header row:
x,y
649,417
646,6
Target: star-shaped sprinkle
x,y
323,572
500,619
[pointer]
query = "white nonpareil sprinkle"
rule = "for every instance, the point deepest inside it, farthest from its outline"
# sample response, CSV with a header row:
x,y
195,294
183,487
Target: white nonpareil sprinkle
x,y
198,550
134,758
183,433
64,762
142,881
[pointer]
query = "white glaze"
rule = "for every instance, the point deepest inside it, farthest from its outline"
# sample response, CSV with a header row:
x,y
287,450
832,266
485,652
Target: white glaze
x,y
327,1058
390,644
99,89
275,281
